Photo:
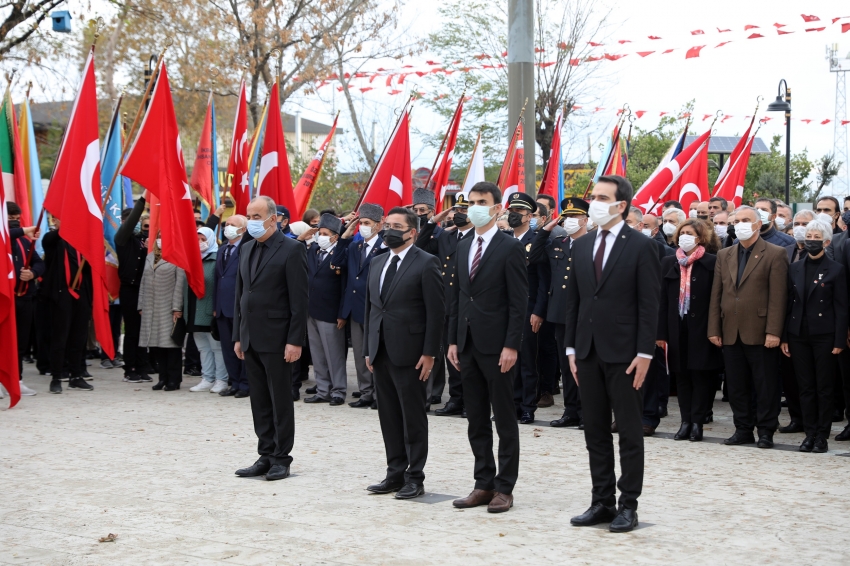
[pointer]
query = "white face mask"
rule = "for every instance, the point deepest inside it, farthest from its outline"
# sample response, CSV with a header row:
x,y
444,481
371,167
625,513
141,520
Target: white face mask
x,y
600,213
204,246
571,225
744,230
159,243
721,231
692,213
800,233
590,225
231,232
324,242
669,229
647,232
823,217
687,242
366,232
765,216
780,223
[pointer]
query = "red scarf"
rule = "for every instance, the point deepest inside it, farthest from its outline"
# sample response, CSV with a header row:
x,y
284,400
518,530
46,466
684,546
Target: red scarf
x,y
685,263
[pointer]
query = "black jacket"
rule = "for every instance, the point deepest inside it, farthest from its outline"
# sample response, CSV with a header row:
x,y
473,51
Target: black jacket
x,y
825,301
555,252
443,245
55,283
326,281
702,354
132,249
20,251
539,278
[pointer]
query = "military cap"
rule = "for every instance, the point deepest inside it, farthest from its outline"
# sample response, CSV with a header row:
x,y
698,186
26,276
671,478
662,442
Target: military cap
x,y
424,196
573,206
330,222
462,201
522,200
282,211
371,211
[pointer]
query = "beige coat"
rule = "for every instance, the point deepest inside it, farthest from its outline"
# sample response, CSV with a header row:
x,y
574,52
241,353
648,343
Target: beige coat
x,y
160,294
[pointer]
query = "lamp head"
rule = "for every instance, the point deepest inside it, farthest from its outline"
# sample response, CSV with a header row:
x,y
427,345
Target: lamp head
x,y
779,105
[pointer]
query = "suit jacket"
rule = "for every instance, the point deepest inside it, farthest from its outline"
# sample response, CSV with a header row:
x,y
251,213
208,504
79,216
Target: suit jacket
x,y
835,249
756,307
791,249
824,301
492,307
702,354
326,282
271,307
557,253
618,315
357,277
224,289
442,244
414,312
539,278
20,250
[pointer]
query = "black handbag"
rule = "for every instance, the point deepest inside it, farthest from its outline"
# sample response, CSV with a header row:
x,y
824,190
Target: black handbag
x,y
178,331
214,331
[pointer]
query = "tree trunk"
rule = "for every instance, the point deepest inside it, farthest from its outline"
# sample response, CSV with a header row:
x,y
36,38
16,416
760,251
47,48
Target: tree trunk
x,y
361,139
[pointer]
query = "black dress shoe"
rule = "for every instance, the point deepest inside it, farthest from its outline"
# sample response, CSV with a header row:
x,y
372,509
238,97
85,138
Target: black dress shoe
x,y
386,486
821,446
709,418
259,468
361,403
581,425
684,432
740,438
229,392
241,394
843,435
463,414
428,408
598,513
356,394
662,412
696,433
87,374
296,394
159,385
277,472
565,420
55,386
792,427
807,444
765,440
435,400
374,405
337,401
311,390
315,399
79,383
625,521
837,416
449,409
410,491
526,418
171,387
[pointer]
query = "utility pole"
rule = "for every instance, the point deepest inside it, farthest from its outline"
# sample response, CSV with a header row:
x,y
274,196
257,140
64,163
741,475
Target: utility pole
x,y
521,79
840,66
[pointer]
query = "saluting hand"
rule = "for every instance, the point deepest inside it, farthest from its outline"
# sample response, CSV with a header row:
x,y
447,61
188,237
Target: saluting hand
x,y
425,363
507,359
551,224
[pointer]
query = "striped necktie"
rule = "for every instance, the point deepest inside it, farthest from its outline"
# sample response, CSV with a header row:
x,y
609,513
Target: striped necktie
x,y
473,271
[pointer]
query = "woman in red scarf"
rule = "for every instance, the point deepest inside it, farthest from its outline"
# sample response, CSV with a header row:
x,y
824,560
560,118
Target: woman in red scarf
x,y
686,280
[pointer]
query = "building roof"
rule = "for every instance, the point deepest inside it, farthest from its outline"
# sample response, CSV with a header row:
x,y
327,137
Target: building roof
x,y
723,145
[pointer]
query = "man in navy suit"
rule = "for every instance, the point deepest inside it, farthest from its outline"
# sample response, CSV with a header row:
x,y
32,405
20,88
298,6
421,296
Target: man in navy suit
x,y
356,260
224,297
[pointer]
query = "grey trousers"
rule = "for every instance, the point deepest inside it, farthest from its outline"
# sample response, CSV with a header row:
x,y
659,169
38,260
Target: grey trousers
x,y
327,348
365,380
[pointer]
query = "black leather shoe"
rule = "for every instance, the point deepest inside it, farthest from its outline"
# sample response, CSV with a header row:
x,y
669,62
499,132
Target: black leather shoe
x,y
792,427
740,438
821,446
598,513
159,385
565,420
337,401
807,444
625,521
386,486
356,395
526,418
229,392
296,394
684,432
428,408
311,390
410,491
361,403
277,472
449,409
662,412
837,416
435,400
709,418
463,414
259,468
374,405
696,433
79,383
55,386
765,440
315,399
171,387
843,435
241,394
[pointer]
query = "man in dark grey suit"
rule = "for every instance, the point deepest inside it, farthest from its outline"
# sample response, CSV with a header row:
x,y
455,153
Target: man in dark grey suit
x,y
269,322
403,327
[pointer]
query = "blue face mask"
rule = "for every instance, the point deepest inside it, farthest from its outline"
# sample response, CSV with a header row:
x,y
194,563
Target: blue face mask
x,y
256,228
479,215
533,223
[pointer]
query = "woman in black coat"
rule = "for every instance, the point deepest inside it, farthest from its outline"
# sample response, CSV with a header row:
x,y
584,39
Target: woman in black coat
x,y
816,331
686,281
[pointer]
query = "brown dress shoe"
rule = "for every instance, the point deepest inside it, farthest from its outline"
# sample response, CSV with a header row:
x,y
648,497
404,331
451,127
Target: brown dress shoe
x,y
648,430
476,498
501,503
546,400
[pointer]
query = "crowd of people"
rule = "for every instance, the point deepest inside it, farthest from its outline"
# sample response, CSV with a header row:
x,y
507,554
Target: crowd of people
x,y
751,301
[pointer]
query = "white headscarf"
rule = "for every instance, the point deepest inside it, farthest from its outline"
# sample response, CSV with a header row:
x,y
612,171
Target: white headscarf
x,y
210,236
298,227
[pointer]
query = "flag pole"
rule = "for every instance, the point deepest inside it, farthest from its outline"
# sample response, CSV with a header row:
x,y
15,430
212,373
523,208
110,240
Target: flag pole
x,y
445,139
519,121
474,149
321,163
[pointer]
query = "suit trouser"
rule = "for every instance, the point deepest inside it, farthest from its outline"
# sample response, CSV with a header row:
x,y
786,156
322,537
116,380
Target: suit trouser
x,y
484,385
271,404
24,317
437,381
790,388
569,387
753,369
68,334
455,385
606,387
651,387
814,364
842,383
365,380
327,346
235,366
526,379
404,423
168,364
547,358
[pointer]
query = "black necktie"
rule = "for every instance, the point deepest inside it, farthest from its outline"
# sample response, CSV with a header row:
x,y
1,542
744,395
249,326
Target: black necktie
x,y
227,252
599,259
388,277
742,264
258,257
363,253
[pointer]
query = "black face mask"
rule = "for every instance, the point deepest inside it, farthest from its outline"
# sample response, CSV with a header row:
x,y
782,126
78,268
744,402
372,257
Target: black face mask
x,y
514,219
143,234
449,223
730,231
702,217
461,219
14,223
423,220
814,247
395,238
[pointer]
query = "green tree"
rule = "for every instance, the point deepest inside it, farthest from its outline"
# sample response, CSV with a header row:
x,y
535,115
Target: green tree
x,y
771,166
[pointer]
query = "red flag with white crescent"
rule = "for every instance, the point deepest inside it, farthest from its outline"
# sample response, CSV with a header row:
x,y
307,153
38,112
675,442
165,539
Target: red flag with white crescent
x,y
732,186
392,185
275,180
9,377
693,184
512,174
238,167
201,180
441,176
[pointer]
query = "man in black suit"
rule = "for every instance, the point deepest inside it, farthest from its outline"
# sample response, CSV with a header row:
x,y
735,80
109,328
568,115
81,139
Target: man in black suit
x,y
612,315
224,292
486,317
404,319
269,321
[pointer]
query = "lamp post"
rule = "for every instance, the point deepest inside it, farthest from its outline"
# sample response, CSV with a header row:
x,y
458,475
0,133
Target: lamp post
x,y
780,105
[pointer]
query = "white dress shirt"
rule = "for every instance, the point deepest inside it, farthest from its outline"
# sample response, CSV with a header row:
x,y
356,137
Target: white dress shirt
x,y
392,254
370,243
487,236
462,233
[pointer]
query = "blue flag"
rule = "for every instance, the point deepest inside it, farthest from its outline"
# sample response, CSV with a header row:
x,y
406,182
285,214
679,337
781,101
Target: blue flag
x,y
109,159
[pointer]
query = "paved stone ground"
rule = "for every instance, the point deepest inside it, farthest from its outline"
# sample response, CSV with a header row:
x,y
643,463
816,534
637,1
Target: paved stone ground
x,y
156,469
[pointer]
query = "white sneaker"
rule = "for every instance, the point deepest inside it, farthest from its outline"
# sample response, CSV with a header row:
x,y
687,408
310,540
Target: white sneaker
x,y
26,391
204,385
220,385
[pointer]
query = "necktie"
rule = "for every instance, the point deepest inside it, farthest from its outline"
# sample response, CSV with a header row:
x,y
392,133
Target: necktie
x,y
258,257
388,277
742,265
600,255
363,253
476,260
227,252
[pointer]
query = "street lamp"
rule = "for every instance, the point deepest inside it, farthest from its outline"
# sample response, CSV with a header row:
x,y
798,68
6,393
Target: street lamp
x,y
780,105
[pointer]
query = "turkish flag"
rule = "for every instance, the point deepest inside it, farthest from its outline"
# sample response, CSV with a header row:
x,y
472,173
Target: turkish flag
x,y
155,161
512,173
304,188
441,176
275,180
550,182
74,197
9,377
201,180
238,166
391,184
693,184
731,187
727,167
